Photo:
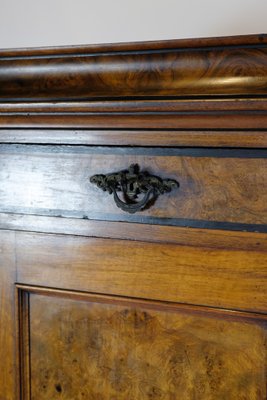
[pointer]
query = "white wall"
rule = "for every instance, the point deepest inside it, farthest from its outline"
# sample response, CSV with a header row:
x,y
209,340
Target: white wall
x,y
27,23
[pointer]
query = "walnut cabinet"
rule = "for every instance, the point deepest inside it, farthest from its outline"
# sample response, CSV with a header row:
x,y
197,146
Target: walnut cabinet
x,y
133,221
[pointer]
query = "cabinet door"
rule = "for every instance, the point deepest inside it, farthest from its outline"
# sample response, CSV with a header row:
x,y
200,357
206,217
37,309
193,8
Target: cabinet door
x,y
112,320
81,346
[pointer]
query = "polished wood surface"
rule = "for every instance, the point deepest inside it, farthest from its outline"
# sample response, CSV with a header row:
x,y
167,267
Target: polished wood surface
x,y
220,70
220,186
8,370
218,239
169,303
238,40
231,121
203,138
166,106
227,278
148,85
140,350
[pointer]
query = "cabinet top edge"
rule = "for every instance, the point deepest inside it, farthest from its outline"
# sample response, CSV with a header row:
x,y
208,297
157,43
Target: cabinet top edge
x,y
216,68
238,40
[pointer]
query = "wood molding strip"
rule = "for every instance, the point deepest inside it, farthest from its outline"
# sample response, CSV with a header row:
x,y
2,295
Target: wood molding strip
x,y
149,304
111,137
185,69
138,232
238,40
227,121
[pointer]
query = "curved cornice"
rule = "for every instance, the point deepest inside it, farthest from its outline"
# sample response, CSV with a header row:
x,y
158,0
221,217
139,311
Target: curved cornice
x,y
202,68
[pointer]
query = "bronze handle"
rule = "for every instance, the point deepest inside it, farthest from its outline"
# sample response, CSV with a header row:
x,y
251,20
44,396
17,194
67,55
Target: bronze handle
x,y
132,183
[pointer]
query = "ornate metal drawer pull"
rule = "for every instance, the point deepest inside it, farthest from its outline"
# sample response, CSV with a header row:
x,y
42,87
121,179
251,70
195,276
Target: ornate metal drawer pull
x,y
132,183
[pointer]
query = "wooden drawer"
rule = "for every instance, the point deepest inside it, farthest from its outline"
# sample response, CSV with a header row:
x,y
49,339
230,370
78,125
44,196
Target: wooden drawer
x,y
218,188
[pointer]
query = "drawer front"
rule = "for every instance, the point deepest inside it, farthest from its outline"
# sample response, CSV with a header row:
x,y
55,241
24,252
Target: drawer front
x,y
218,188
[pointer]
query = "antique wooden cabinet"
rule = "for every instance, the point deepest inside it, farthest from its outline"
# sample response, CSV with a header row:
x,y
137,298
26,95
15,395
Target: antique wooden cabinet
x,y
133,221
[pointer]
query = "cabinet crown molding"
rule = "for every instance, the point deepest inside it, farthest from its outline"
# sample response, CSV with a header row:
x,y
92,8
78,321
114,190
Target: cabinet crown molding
x,y
178,69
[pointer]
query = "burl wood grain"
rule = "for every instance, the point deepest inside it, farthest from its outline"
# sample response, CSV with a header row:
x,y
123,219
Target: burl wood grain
x,y
104,351
55,181
55,87
217,70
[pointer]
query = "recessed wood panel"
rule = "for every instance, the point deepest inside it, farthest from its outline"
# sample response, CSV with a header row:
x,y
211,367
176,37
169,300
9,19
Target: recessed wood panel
x,y
216,186
116,349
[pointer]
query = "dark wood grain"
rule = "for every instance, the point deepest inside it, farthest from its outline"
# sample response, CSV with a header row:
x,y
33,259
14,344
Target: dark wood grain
x,y
179,72
141,351
216,114
23,335
228,278
238,40
89,86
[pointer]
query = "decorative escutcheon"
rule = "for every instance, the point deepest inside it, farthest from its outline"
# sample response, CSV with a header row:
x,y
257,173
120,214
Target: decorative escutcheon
x,y
133,183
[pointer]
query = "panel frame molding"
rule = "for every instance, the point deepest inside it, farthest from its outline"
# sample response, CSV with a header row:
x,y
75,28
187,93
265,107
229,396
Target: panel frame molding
x,y
24,292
